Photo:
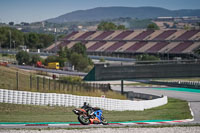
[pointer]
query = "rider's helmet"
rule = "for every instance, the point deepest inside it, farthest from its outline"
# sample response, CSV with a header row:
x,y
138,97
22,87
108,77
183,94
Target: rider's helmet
x,y
86,104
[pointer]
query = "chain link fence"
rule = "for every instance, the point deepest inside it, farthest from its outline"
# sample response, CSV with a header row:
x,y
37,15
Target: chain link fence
x,y
30,82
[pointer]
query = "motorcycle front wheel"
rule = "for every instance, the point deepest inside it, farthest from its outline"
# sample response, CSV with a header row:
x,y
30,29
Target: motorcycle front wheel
x,y
83,120
104,122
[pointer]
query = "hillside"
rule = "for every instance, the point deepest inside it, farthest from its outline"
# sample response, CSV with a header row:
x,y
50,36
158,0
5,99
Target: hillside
x,y
103,13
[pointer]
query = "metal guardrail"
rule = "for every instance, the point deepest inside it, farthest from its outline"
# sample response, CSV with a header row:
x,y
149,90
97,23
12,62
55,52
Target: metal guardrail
x,y
183,84
140,63
8,51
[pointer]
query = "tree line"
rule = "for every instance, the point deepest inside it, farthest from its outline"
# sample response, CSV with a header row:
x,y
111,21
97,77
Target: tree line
x,y
13,38
76,56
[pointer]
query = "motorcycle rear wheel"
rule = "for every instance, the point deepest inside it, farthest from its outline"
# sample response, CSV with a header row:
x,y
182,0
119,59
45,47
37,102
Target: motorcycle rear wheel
x,y
83,120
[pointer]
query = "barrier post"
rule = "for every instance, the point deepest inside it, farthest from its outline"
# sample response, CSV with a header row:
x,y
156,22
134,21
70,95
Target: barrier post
x,y
59,85
31,82
38,84
17,78
54,84
43,83
49,84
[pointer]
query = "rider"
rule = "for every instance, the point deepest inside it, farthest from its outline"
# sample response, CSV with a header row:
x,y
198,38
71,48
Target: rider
x,y
88,108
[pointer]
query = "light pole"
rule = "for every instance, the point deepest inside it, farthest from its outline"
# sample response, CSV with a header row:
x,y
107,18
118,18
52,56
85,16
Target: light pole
x,y
14,43
55,30
10,38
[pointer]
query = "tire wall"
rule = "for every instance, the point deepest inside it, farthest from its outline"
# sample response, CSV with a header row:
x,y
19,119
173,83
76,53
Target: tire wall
x,y
67,100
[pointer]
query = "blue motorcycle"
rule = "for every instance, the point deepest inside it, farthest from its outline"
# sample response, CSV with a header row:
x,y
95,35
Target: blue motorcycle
x,y
95,118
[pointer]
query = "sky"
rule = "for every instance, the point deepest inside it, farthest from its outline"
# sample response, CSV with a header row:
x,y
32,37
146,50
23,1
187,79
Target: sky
x,y
38,10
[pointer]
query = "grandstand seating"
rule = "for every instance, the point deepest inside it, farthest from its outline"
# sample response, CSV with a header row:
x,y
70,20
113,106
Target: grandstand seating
x,y
165,35
136,46
70,35
187,35
96,45
122,35
115,46
181,47
137,41
103,35
85,35
143,35
60,45
157,47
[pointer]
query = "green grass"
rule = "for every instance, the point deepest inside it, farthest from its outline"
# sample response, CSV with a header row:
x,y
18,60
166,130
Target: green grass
x,y
174,110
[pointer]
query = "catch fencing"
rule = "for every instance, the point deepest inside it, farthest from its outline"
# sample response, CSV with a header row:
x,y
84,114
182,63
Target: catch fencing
x,y
67,100
10,79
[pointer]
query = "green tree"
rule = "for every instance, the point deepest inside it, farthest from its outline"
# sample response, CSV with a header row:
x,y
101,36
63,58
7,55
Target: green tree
x,y
23,57
106,26
146,57
153,26
46,40
11,23
79,48
102,59
62,53
121,27
10,35
198,24
50,59
31,40
79,62
34,59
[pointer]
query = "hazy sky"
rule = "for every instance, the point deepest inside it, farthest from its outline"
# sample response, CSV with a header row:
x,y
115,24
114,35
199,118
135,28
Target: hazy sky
x,y
37,10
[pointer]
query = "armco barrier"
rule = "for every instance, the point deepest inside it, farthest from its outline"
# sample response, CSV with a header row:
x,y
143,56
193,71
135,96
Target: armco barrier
x,y
53,99
183,84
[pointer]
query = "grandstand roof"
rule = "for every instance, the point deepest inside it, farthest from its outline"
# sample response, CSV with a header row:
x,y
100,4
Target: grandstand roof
x,y
137,41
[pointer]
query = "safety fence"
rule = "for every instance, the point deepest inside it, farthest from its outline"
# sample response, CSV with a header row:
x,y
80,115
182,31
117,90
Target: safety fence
x,y
10,79
53,99
183,84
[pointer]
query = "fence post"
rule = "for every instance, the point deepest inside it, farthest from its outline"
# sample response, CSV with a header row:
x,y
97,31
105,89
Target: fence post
x,y
31,82
59,85
54,84
72,85
43,83
93,87
68,89
49,84
63,87
17,78
38,84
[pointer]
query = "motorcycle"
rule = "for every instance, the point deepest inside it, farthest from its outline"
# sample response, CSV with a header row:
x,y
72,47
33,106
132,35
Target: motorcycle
x,y
95,118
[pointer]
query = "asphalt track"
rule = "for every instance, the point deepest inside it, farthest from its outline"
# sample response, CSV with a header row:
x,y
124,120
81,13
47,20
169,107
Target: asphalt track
x,y
190,95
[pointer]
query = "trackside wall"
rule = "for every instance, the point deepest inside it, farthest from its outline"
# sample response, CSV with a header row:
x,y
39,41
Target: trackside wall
x,y
53,99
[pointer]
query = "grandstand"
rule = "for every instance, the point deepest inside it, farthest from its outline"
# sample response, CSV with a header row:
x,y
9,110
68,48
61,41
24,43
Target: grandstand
x,y
173,42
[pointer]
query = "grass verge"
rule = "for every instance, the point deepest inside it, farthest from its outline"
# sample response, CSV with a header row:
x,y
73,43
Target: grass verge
x,y
174,110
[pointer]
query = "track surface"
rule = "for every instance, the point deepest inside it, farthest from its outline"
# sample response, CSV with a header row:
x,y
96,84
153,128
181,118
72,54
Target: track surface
x,y
185,94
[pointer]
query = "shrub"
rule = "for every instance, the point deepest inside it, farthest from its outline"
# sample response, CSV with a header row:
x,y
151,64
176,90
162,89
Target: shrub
x,y
4,54
70,79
